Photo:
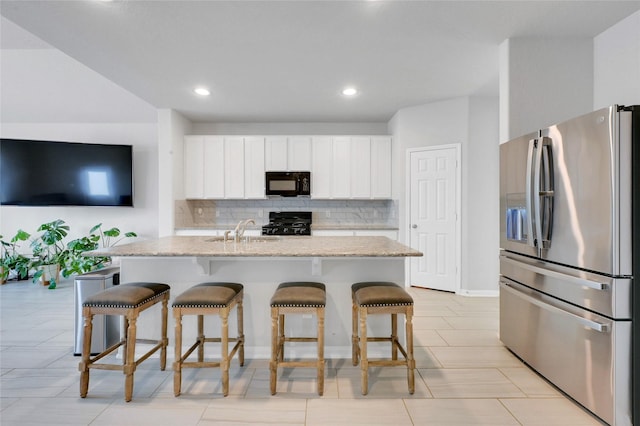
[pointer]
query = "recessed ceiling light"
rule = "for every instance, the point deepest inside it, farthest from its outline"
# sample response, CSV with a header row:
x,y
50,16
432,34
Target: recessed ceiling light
x,y
202,91
349,91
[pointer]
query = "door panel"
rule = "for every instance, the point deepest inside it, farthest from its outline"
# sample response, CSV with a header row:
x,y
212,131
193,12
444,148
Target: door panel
x,y
584,354
433,218
585,201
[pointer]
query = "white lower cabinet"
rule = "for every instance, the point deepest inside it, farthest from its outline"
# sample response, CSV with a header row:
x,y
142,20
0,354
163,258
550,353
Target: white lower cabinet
x,y
391,234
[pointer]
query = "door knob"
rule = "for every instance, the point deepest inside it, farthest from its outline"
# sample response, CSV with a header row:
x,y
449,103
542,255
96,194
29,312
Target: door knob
x,y
414,226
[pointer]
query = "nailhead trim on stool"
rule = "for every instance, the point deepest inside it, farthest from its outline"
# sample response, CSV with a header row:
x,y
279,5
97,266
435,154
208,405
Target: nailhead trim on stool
x,y
295,298
214,298
379,297
128,300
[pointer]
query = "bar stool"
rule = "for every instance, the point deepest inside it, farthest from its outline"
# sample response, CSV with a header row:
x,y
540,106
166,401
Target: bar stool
x,y
214,298
297,298
372,298
128,300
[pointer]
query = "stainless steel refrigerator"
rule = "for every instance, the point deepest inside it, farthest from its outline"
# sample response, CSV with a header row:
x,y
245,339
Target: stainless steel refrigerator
x,y
570,246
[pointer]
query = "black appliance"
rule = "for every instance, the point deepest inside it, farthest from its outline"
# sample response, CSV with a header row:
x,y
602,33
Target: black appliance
x,y
288,223
288,184
46,173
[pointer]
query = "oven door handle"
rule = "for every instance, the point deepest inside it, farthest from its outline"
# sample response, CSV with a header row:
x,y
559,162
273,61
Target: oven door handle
x,y
568,278
602,328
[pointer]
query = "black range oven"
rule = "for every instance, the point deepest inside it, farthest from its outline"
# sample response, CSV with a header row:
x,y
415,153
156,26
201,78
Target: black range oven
x,y
288,223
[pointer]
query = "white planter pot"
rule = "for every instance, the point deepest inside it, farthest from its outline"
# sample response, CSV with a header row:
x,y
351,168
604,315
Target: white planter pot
x,y
50,271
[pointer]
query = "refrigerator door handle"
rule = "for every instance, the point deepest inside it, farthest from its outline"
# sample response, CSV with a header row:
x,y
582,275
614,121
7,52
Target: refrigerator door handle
x,y
546,193
568,278
602,328
531,236
537,169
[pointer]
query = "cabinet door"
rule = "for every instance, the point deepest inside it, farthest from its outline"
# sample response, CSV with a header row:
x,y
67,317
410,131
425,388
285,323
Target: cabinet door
x,y
193,167
393,235
381,167
234,167
299,155
360,167
213,158
321,167
254,180
341,185
275,153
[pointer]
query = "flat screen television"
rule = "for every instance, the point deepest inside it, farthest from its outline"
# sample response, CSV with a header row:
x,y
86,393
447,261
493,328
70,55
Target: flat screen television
x,y
47,173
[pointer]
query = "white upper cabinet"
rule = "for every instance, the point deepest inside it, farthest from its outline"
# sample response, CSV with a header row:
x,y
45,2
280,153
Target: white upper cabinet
x,y
321,167
360,167
275,153
254,180
193,167
217,167
351,167
287,153
213,157
342,167
381,167
299,153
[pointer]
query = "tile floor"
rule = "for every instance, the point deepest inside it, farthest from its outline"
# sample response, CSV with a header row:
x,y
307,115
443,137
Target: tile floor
x,y
464,377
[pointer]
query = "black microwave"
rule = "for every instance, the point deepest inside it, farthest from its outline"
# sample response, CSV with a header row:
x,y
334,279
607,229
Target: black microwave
x,y
288,184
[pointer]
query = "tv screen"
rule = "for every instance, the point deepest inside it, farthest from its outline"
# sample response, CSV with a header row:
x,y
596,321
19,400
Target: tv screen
x,y
45,173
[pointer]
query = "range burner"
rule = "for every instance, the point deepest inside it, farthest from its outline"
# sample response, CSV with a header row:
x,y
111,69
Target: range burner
x,y
288,223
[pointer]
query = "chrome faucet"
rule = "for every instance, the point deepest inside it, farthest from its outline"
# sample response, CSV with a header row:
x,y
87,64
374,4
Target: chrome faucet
x,y
240,228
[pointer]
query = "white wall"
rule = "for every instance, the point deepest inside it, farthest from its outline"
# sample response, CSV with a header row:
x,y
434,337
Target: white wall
x,y
543,82
617,64
172,126
142,218
472,123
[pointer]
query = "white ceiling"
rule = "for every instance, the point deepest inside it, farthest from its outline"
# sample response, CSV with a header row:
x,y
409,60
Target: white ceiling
x,y
271,61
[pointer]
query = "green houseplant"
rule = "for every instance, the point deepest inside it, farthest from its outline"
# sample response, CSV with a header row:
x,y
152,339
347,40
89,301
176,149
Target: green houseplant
x,y
78,263
49,252
11,258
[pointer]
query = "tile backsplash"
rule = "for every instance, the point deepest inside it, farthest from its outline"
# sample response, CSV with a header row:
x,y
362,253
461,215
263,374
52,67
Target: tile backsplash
x,y
227,213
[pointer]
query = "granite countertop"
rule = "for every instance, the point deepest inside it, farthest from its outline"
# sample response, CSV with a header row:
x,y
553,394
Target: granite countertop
x,y
270,246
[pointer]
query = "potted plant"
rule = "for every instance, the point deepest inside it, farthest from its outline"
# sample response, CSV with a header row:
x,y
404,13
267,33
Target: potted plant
x,y
11,259
49,252
78,263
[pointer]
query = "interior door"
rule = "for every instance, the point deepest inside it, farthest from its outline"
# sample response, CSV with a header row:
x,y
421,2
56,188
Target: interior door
x,y
434,214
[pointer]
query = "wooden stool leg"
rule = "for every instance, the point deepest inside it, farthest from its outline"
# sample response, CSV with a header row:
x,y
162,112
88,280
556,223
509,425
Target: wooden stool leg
x,y
354,333
275,339
281,338
165,340
394,337
364,360
130,366
224,347
240,312
200,338
86,351
177,364
125,338
320,315
411,363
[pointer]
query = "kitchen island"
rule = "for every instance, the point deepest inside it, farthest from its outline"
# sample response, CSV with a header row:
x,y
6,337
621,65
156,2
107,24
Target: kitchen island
x,y
261,263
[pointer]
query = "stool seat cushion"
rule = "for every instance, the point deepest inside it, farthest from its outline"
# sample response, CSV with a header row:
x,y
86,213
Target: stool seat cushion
x,y
380,294
208,295
299,294
129,295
